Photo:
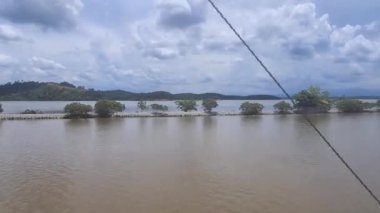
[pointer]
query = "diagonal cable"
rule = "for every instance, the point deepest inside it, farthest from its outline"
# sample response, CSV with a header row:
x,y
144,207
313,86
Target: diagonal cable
x,y
314,127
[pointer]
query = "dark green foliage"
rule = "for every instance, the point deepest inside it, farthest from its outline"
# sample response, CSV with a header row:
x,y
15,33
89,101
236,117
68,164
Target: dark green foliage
x,y
349,105
283,107
1,108
209,104
368,105
186,105
36,91
377,105
248,108
41,92
312,99
159,107
142,105
106,108
67,84
30,111
77,110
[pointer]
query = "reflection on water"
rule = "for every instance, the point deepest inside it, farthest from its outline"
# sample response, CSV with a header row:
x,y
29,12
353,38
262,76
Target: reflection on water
x,y
191,164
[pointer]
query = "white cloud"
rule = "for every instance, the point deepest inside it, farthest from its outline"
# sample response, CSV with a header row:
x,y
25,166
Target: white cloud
x,y
43,64
7,61
9,33
157,42
359,49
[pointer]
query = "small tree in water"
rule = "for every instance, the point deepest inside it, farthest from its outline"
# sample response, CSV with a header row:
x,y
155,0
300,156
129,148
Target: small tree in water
x,y
283,107
349,105
142,105
378,105
186,105
209,104
77,110
1,109
159,107
312,99
369,105
248,108
106,108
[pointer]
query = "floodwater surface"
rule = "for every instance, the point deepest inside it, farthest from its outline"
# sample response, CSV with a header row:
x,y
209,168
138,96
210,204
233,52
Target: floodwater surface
x,y
269,163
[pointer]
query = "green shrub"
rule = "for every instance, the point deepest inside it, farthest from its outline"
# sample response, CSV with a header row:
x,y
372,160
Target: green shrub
x,y
186,105
142,105
209,104
30,111
349,105
312,99
159,107
248,108
283,107
368,105
106,108
77,110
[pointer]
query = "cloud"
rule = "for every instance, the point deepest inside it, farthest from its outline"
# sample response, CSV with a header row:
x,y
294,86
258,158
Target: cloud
x,y
43,64
7,61
55,14
181,14
295,28
159,43
359,49
8,33
222,42
184,46
162,53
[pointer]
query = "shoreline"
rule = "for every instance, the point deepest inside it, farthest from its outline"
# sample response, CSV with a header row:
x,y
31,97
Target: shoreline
x,y
55,116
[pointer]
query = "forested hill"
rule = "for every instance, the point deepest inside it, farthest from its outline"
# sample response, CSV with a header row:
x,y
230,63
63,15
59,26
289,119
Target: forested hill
x,y
41,91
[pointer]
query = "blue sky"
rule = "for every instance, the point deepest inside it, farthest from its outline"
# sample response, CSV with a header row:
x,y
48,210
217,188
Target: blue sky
x,y
183,46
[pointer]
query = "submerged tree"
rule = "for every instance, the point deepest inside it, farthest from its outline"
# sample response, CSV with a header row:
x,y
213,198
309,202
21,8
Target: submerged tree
x,y
77,110
349,105
209,104
159,107
369,105
32,111
248,108
186,105
142,105
1,109
378,104
106,108
283,107
312,99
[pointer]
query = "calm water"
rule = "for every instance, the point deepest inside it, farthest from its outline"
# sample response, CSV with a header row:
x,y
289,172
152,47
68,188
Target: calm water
x,y
201,164
131,106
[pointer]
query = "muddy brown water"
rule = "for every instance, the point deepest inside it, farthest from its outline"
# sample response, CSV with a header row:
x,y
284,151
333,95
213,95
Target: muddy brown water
x,y
268,163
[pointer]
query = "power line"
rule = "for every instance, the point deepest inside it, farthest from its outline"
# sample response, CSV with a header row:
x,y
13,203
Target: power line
x,y
362,183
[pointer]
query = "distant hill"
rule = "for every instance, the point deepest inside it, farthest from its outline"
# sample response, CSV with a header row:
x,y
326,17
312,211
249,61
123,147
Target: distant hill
x,y
64,91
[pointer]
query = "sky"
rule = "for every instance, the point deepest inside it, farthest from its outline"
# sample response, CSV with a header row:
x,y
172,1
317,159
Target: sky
x,y
184,46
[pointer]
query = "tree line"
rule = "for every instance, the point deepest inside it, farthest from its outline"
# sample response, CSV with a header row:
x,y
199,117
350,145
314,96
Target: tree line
x,y
64,91
311,100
